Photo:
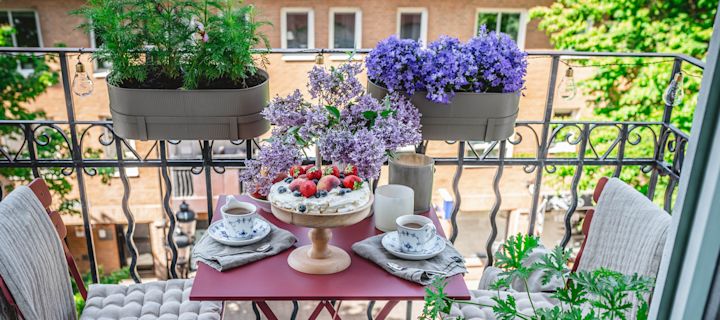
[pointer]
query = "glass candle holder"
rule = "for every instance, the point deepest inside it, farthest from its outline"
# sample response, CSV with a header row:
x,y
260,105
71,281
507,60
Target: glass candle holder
x,y
391,202
415,171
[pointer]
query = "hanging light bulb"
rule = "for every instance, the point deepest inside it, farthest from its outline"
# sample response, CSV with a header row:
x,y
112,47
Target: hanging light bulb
x,y
319,58
567,87
82,85
674,92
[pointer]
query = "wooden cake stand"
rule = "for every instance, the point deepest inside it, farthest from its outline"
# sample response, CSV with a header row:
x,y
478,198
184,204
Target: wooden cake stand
x,y
321,257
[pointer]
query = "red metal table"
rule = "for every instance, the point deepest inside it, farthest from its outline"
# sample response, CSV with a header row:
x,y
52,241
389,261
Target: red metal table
x,y
272,278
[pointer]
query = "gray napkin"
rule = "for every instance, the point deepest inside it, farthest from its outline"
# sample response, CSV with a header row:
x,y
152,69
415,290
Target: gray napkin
x,y
222,257
449,261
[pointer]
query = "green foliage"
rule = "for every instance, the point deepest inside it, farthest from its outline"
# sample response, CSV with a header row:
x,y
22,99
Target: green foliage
x,y
630,89
232,33
161,44
596,294
114,277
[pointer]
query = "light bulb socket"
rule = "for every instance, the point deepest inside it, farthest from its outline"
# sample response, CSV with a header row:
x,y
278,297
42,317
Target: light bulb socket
x,y
569,72
79,67
319,59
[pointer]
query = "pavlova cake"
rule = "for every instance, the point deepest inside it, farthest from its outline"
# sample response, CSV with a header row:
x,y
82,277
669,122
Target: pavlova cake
x,y
312,190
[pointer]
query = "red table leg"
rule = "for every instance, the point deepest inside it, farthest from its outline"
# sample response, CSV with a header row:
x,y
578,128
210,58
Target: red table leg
x,y
265,308
325,305
385,311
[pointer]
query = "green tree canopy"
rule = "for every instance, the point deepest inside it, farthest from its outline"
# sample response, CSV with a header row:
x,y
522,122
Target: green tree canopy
x,y
630,89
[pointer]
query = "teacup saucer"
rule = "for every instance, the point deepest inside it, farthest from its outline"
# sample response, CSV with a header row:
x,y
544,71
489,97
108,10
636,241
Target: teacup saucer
x,y
391,243
217,231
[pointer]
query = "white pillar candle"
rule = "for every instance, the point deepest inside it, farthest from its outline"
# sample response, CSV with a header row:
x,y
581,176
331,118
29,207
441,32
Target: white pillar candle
x,y
391,202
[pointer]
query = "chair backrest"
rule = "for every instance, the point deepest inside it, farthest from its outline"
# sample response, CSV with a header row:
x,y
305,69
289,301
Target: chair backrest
x,y
626,231
42,192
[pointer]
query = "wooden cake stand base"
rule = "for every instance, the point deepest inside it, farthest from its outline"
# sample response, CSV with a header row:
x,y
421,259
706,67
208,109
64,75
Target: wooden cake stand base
x,y
319,257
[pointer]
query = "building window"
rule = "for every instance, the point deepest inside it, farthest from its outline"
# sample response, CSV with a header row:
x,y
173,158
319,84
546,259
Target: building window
x,y
27,31
297,28
101,67
412,24
345,28
512,23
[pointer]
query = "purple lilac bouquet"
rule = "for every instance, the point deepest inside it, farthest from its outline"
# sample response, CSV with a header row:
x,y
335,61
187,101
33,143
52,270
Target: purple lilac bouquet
x,y
274,159
347,125
490,62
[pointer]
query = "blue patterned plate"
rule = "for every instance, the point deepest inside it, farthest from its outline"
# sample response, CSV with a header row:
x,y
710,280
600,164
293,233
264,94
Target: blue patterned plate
x,y
218,232
391,243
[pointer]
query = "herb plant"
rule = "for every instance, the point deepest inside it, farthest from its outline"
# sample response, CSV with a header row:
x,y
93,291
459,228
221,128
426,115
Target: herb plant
x,y
174,43
596,294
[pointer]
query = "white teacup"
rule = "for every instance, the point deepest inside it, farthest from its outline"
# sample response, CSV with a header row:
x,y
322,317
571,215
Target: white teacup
x,y
414,232
239,218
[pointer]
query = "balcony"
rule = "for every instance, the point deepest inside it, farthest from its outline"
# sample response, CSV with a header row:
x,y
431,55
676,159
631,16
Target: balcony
x,y
535,182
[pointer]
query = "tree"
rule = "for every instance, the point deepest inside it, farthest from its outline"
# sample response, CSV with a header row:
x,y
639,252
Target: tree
x,y
16,91
630,89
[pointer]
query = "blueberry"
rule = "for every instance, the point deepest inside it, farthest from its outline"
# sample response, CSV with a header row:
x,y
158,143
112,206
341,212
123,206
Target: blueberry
x,y
341,192
342,176
323,193
315,180
297,193
288,179
317,195
282,189
302,208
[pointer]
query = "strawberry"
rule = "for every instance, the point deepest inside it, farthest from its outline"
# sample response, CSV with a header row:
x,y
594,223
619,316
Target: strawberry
x,y
313,173
331,170
353,182
350,170
257,195
308,189
296,171
295,184
280,177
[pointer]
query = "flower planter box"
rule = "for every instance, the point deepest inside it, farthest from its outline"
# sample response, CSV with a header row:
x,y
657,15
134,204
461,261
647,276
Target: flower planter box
x,y
470,116
176,114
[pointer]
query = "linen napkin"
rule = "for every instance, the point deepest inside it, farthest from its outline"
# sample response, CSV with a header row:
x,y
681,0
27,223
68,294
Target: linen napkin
x,y
449,261
223,257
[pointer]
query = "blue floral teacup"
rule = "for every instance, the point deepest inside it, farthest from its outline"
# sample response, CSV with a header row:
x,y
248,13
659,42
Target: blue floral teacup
x,y
239,218
414,232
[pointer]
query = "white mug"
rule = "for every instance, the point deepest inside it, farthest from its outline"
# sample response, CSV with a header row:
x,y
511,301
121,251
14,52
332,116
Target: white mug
x,y
414,232
239,218
391,202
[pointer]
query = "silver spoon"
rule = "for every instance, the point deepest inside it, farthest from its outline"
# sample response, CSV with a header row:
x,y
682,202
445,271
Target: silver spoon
x,y
263,248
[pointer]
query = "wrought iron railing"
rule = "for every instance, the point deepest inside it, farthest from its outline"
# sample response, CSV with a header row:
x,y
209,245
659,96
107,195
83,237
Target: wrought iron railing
x,y
667,141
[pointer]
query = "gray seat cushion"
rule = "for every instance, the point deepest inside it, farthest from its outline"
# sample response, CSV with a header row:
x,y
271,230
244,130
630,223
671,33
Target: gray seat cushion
x,y
148,301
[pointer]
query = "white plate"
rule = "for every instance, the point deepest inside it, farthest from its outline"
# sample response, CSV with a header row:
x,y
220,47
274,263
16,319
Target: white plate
x,y
217,231
391,243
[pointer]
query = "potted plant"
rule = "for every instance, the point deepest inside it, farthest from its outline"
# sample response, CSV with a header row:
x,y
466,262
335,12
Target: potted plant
x,y
464,91
345,125
181,69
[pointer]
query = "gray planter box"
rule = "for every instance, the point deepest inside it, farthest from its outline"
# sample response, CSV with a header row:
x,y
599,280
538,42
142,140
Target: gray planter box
x,y
470,116
176,114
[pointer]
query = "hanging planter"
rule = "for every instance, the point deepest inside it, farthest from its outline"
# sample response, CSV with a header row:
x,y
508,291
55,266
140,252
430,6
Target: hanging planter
x,y
201,114
469,116
464,91
181,71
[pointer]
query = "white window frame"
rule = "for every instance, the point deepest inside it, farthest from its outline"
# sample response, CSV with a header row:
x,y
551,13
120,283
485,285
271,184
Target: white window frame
x,y
358,26
523,22
24,72
311,32
423,21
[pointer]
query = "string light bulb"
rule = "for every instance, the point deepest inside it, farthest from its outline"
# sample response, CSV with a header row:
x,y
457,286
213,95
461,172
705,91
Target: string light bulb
x,y
82,85
674,92
319,58
567,87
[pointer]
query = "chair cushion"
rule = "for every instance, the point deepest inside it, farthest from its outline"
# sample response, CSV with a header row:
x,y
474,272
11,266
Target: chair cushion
x,y
484,297
146,301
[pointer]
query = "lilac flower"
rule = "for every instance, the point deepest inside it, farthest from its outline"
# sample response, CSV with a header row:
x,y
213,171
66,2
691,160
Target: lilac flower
x,y
336,86
401,128
274,158
286,112
397,64
367,153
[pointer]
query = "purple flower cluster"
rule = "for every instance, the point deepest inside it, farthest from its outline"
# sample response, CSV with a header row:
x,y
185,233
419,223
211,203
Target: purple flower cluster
x,y
397,64
274,158
490,62
347,125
